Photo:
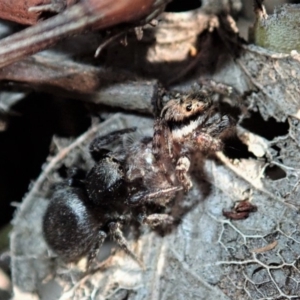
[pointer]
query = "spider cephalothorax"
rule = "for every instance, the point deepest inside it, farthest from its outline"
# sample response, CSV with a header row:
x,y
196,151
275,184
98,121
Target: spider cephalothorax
x,y
187,124
185,108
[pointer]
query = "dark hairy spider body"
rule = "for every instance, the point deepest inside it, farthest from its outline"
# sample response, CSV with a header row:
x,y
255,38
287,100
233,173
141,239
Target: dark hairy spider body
x,y
134,179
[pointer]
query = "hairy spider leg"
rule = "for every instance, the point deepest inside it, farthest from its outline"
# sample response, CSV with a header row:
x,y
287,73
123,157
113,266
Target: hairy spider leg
x,y
154,220
162,145
207,138
182,168
118,237
207,143
142,197
216,125
96,246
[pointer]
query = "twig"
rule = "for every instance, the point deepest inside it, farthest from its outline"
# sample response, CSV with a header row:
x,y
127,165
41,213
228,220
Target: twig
x,y
84,82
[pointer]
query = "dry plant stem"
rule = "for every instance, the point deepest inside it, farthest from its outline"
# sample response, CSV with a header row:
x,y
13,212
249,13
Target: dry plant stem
x,y
139,96
266,248
107,42
86,15
83,82
55,73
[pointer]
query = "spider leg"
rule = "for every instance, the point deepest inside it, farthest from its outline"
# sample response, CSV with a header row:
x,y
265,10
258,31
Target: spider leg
x,y
158,142
217,87
162,145
162,141
208,138
154,220
98,243
207,143
182,168
118,237
216,125
168,138
142,197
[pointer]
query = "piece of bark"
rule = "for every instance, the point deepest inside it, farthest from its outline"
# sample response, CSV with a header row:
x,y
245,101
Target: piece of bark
x,y
86,15
19,10
84,82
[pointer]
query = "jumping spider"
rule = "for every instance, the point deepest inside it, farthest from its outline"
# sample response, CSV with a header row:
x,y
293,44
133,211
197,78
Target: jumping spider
x,y
135,180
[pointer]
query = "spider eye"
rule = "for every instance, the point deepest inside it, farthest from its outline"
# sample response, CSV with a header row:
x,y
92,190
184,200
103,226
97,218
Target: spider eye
x,y
189,107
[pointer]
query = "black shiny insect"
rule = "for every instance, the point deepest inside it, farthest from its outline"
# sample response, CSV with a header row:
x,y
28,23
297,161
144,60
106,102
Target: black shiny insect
x,y
134,181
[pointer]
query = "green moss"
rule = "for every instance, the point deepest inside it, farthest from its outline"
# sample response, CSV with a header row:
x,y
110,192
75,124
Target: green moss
x,y
279,32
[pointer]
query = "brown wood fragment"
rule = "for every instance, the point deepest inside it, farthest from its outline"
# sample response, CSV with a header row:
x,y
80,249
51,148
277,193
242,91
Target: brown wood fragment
x,y
235,215
20,11
17,11
241,210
